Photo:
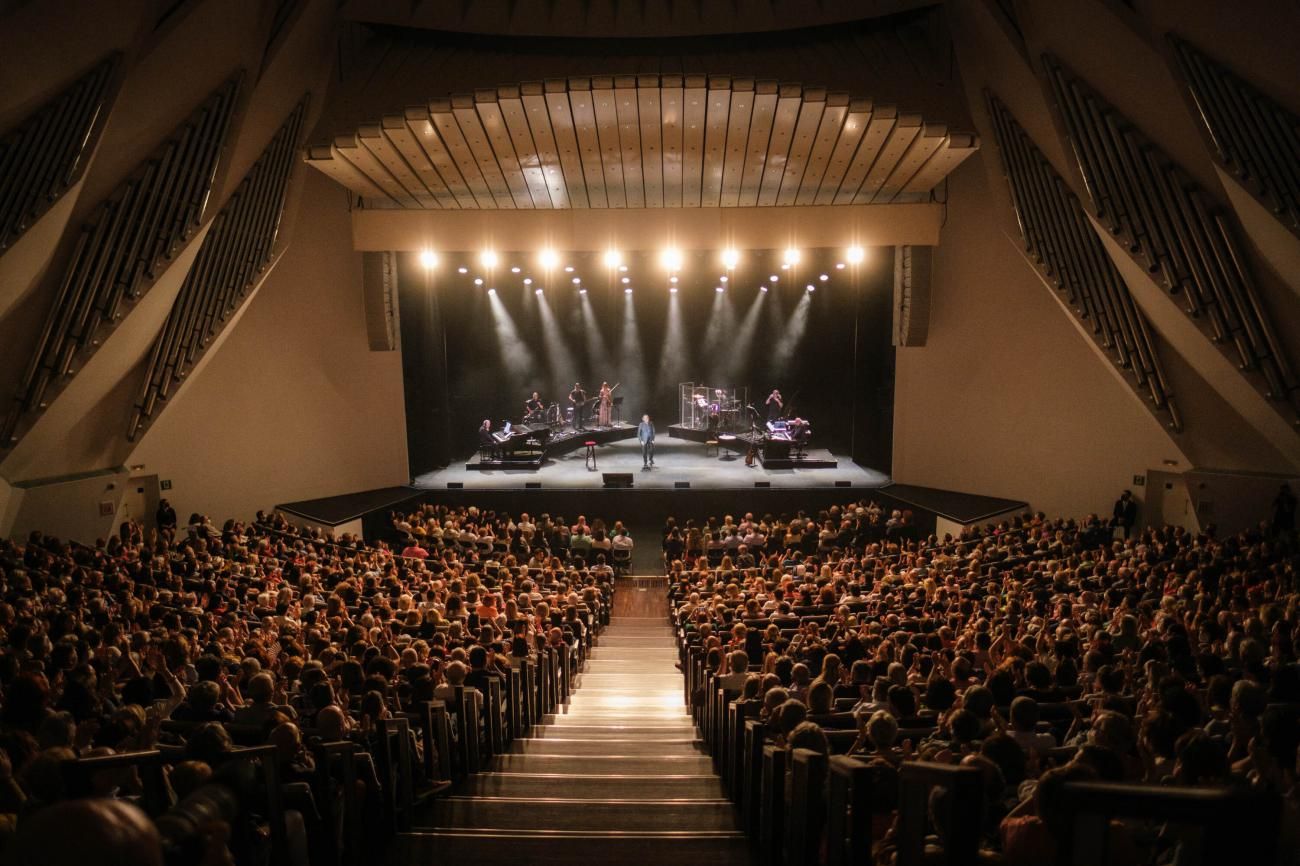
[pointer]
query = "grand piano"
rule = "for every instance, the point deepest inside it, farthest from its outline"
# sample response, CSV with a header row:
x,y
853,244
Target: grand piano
x,y
522,443
781,437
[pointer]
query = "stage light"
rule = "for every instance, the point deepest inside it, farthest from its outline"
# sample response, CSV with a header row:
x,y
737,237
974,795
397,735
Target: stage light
x,y
785,267
539,290
612,258
762,288
548,258
790,256
811,287
723,278
429,259
672,280
622,269
577,280
671,258
478,281
628,290
730,258
528,281
824,277
719,289
672,289
582,291
855,254
488,259
515,269
773,278
627,280
492,291
568,269
839,266
462,270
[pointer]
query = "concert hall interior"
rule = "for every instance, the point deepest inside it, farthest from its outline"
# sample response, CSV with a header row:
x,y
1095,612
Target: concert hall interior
x,y
767,432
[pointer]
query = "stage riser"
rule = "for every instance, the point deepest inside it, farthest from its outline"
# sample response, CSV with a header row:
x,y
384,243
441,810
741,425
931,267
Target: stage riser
x,y
563,444
791,463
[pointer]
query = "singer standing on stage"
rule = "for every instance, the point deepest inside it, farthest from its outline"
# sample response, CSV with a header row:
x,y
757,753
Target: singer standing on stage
x,y
645,434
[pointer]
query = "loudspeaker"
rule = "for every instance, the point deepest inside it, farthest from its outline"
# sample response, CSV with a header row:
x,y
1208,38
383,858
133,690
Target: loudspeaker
x,y
617,479
682,485
455,485
379,289
911,295
762,483
532,485
843,483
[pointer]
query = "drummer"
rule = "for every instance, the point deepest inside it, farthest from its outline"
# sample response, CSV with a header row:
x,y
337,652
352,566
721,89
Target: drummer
x,y
534,408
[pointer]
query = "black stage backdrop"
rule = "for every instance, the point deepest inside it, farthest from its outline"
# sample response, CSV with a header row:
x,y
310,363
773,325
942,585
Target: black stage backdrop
x,y
469,353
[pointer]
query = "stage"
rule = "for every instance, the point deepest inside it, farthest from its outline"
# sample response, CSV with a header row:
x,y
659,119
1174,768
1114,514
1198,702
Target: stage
x,y
676,461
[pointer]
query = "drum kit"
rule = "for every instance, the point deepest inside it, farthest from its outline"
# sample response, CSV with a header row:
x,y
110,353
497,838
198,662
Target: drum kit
x,y
705,407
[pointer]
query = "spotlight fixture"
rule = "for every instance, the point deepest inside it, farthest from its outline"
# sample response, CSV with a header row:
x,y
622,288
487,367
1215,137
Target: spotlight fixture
x,y
855,254
811,287
671,258
627,280
790,256
528,281
582,291
577,280
537,291
719,289
730,258
672,280
488,259
462,270
548,258
839,266
824,277
762,288
723,278
568,269
478,281
492,291
429,259
515,269
672,289
628,290
622,269
613,258
785,267
773,278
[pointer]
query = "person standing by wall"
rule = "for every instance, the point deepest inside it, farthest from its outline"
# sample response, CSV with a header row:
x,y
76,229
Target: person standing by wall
x,y
645,434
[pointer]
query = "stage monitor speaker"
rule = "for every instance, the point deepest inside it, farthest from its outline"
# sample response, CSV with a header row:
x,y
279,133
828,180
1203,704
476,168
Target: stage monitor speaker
x,y
843,483
682,485
379,290
617,479
532,485
911,295
762,483
455,485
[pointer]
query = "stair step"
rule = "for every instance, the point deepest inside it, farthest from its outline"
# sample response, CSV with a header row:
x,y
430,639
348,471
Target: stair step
x,y
603,765
584,815
631,747
595,787
553,848
612,731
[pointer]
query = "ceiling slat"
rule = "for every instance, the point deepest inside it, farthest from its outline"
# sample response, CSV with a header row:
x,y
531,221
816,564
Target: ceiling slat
x,y
882,121
694,99
629,138
837,106
537,120
526,149
493,121
742,109
846,145
351,149
760,134
715,139
584,121
371,136
449,131
462,108
955,149
395,128
805,131
927,141
789,99
900,139
671,107
602,98
420,124
326,158
566,139
650,112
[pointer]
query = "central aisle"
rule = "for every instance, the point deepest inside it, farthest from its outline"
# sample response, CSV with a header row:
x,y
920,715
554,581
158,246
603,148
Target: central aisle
x,y
616,777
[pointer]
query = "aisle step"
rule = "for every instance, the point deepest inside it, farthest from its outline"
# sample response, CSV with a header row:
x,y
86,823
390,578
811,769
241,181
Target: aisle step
x,y
585,786
629,747
613,731
557,848
603,765
586,815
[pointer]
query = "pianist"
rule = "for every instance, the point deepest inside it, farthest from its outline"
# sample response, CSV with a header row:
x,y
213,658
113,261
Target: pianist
x,y
486,443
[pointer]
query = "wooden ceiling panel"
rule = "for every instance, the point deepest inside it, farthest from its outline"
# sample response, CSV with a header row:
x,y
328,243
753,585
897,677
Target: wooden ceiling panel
x,y
645,141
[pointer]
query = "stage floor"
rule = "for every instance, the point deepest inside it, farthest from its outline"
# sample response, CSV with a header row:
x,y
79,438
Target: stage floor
x,y
675,460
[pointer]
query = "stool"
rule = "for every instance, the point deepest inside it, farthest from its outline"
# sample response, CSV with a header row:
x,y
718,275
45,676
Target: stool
x,y
712,443
730,441
591,455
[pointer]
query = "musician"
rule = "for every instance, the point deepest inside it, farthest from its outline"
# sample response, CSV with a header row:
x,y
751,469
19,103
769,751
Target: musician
x,y
775,405
485,441
645,434
578,400
534,408
606,405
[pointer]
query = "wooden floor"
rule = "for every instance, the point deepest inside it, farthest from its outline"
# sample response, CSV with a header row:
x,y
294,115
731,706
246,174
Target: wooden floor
x,y
618,776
